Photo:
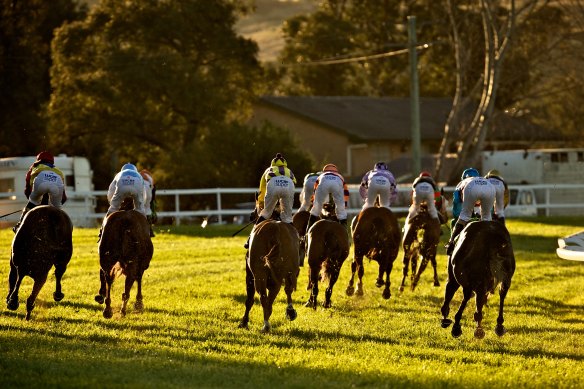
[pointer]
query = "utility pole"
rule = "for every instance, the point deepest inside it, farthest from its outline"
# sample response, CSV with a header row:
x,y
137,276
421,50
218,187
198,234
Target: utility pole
x,y
414,98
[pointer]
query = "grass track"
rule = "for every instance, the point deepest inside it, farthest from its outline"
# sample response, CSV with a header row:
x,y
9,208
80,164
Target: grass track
x,y
194,294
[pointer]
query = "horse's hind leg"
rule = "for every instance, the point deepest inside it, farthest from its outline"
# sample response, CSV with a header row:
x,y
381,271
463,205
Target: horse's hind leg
x,y
360,273
313,284
139,304
500,329
456,328
434,266
329,291
100,296
130,278
451,288
418,274
267,298
14,282
250,290
59,271
406,262
480,300
350,288
38,284
386,294
107,311
291,313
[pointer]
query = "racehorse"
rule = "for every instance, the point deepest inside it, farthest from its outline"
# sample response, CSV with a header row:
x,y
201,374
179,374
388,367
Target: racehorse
x,y
125,248
43,240
377,236
482,260
421,238
328,247
272,259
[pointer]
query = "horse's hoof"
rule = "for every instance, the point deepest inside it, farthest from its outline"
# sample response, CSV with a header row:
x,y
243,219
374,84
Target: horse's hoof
x,y
413,287
379,283
446,323
401,288
500,330
123,312
244,323
108,313
436,283
350,290
12,304
291,314
456,330
359,292
139,306
27,318
99,299
327,304
386,294
58,296
266,329
479,333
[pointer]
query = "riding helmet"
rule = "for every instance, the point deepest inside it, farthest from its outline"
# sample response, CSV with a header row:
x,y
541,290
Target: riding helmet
x,y
279,160
425,174
470,172
45,156
380,166
329,167
129,166
493,173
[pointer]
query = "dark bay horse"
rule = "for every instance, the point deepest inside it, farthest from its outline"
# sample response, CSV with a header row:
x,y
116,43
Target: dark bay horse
x,y
377,236
125,247
482,260
328,247
43,240
421,238
272,260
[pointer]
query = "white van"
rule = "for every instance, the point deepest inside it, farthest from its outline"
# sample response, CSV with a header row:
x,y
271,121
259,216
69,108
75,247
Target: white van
x,y
78,179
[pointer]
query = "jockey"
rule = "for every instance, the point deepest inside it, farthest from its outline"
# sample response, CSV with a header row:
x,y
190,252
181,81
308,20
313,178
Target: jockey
x,y
307,192
127,183
501,194
378,182
149,198
276,183
471,189
424,189
332,183
43,178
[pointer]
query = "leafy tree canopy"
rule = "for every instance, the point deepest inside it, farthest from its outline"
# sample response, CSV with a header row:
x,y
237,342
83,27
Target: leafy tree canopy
x,y
143,81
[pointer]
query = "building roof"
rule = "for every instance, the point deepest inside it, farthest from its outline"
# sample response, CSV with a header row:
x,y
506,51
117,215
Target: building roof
x,y
388,118
368,118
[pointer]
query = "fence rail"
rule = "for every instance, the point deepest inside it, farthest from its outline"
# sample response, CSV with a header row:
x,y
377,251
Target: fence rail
x,y
542,201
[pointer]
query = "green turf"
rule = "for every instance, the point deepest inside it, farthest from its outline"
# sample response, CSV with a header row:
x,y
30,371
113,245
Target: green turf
x,y
194,294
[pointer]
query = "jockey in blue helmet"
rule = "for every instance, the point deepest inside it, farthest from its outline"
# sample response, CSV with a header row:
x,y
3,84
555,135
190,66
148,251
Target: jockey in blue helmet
x,y
470,172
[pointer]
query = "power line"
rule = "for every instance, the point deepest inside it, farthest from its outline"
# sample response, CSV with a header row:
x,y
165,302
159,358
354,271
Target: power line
x,y
361,58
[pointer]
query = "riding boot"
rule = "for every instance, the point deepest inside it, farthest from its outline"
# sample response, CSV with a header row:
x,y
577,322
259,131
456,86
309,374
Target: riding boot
x,y
25,210
258,221
458,227
149,218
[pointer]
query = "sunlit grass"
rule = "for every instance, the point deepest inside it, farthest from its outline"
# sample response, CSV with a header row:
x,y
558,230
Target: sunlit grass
x,y
194,294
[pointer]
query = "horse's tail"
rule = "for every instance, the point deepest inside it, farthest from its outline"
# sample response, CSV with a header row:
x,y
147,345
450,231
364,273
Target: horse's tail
x,y
117,270
334,252
500,258
273,254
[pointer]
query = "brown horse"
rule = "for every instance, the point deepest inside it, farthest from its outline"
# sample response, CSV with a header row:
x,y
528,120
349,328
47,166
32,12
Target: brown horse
x,y
125,247
482,260
421,238
377,236
328,247
272,259
43,240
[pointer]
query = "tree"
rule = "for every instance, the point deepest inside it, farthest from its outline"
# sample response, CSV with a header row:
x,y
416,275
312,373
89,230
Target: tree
x,y
26,31
140,80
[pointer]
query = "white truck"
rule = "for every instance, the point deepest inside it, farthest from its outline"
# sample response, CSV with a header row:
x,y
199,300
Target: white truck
x,y
538,166
78,179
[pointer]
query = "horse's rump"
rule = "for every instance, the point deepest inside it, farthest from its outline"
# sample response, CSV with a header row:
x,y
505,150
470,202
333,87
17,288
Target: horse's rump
x,y
375,230
126,239
274,245
328,240
483,246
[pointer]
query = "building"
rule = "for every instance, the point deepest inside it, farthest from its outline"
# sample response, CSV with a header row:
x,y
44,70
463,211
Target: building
x,y
354,132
